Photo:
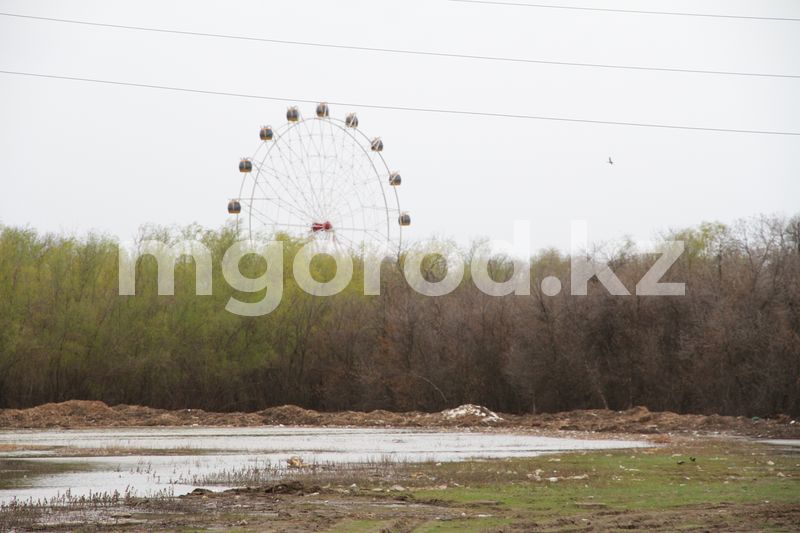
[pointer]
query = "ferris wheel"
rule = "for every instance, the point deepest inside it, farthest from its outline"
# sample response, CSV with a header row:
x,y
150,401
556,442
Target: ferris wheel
x,y
320,178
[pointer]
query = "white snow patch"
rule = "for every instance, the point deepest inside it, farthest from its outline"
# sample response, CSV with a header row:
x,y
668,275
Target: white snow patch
x,y
470,410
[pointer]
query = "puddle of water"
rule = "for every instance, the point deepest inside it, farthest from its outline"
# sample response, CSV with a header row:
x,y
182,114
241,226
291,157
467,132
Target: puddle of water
x,y
788,443
25,453
237,448
789,446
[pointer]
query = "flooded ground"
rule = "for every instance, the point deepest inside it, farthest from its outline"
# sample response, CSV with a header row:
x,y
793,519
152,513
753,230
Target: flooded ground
x,y
46,464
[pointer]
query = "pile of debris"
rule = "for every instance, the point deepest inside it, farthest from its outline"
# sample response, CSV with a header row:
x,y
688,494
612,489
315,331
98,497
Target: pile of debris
x,y
639,420
471,414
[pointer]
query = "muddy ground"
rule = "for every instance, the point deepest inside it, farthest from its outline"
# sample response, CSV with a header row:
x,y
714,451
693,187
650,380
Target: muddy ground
x,y
700,477
639,420
688,485
322,511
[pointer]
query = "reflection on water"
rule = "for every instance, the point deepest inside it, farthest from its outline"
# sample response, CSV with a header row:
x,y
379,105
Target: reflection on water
x,y
204,451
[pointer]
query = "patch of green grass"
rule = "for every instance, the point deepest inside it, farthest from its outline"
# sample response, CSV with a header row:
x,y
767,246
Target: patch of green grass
x,y
625,480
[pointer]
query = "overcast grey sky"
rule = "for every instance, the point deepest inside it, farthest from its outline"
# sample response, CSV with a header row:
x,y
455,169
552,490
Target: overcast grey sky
x,y
79,156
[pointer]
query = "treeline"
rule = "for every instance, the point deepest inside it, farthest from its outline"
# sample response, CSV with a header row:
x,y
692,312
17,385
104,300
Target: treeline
x,y
730,346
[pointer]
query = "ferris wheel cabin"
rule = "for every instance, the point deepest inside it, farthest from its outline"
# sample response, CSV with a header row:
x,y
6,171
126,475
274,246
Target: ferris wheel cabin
x,y
323,111
245,165
404,219
377,145
234,207
395,179
351,121
293,114
266,133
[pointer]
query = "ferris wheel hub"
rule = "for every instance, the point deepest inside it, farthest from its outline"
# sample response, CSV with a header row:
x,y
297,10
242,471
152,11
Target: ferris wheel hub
x,y
321,226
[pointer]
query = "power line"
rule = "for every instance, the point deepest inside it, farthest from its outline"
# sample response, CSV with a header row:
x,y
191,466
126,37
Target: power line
x,y
632,11
403,108
404,51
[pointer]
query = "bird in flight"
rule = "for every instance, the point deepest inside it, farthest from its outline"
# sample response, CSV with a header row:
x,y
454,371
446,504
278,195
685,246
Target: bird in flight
x,y
610,161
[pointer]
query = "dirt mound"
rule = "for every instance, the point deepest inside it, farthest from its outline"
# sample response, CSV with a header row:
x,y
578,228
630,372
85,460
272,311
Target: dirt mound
x,y
59,414
643,421
290,415
639,420
78,414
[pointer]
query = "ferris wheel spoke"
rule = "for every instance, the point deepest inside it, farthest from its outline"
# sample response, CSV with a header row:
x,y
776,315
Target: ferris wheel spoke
x,y
332,162
378,235
345,168
285,206
291,201
296,211
365,167
317,149
317,190
307,228
289,175
318,159
362,229
350,219
272,221
276,223
352,243
345,189
359,200
330,179
312,201
262,167
307,172
292,205
341,158
342,208
288,205
334,165
265,220
254,209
